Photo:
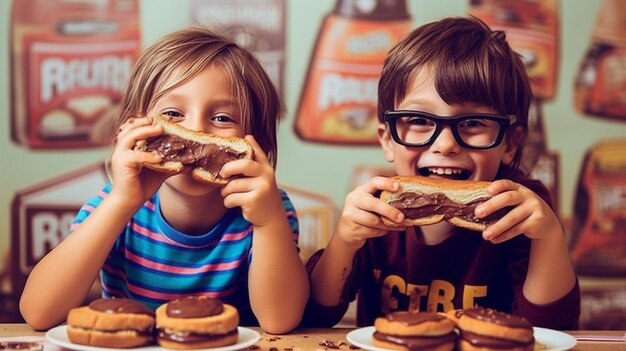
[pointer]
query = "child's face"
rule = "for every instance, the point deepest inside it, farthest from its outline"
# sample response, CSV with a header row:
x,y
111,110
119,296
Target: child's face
x,y
205,103
444,157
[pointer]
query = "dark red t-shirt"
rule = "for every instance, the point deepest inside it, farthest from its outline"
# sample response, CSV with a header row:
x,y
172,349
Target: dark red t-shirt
x,y
398,272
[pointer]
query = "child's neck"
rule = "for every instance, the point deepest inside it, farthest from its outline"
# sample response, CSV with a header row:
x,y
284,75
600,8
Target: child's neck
x,y
191,215
435,233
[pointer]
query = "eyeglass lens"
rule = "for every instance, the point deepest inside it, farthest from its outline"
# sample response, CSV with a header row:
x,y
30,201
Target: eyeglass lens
x,y
474,131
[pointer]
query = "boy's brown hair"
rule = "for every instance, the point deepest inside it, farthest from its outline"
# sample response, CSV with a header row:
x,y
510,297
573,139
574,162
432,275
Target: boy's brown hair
x,y
190,51
470,63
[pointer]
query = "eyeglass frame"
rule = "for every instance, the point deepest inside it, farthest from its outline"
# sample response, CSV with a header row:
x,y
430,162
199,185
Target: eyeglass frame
x,y
504,122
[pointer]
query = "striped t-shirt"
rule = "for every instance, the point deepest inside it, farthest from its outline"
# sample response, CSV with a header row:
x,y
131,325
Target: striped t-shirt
x,y
153,263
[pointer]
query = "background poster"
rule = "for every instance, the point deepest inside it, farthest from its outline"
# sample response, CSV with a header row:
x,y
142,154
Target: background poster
x,y
570,133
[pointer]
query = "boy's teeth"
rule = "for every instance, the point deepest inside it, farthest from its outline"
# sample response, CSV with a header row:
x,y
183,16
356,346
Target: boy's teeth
x,y
446,171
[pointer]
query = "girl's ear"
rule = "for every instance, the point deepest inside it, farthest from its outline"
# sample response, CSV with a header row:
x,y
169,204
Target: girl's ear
x,y
384,138
512,144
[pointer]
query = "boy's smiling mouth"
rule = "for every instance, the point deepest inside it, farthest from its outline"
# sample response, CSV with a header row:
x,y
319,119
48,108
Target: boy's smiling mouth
x,y
445,172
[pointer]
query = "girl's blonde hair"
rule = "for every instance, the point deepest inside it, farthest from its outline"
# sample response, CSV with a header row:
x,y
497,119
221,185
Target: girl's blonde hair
x,y
190,51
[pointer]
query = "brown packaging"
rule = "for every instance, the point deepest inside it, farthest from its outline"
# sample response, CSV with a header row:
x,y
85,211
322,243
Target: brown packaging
x,y
599,222
257,25
600,86
338,102
532,30
70,64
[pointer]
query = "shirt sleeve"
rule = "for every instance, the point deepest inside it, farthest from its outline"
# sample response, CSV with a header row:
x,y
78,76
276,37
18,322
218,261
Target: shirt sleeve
x,y
292,217
562,314
89,207
319,316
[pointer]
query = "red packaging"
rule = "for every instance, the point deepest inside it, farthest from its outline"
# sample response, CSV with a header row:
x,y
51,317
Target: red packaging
x,y
338,102
70,64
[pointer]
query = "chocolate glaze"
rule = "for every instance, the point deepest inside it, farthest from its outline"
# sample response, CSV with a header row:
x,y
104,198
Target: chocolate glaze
x,y
191,337
414,343
413,318
194,307
120,305
415,205
210,157
492,316
481,341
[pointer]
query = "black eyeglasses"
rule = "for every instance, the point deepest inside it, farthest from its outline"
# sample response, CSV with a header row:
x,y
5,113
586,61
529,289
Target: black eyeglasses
x,y
473,130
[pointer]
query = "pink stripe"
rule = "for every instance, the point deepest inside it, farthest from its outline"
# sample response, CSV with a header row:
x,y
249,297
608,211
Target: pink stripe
x,y
182,270
159,295
170,296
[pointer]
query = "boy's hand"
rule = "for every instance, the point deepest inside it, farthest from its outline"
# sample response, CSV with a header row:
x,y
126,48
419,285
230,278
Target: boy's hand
x,y
529,215
362,211
256,192
127,172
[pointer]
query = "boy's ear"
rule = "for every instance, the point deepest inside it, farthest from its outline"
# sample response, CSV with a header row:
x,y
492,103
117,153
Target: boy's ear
x,y
384,138
512,144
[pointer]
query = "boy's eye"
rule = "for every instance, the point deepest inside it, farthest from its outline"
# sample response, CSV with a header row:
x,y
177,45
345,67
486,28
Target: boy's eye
x,y
473,123
419,121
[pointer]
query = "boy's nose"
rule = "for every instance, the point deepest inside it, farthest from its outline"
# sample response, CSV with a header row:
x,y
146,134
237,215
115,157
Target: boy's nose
x,y
445,143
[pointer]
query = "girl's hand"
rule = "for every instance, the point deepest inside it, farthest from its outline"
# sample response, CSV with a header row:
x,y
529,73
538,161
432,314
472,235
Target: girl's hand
x,y
256,191
529,215
130,180
362,211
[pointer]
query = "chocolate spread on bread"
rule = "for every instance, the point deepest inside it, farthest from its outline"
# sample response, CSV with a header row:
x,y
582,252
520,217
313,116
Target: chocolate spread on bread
x,y
120,306
415,205
415,343
194,307
210,157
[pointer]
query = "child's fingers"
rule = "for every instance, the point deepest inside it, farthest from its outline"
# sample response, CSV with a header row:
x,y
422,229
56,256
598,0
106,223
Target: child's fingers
x,y
259,154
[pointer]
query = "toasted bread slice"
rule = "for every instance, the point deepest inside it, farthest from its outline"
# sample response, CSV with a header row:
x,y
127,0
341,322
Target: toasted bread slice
x,y
204,154
430,200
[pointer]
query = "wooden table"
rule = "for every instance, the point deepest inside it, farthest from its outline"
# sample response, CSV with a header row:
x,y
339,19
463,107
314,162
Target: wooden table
x,y
327,339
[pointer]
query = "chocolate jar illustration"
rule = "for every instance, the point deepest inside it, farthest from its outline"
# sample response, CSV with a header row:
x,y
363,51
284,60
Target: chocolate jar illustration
x,y
532,30
338,101
600,86
70,63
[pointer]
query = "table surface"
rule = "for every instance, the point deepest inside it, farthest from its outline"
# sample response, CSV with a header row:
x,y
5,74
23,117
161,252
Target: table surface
x,y
326,339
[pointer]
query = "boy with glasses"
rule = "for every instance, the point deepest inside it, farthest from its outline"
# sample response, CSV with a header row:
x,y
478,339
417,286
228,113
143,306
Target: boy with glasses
x,y
453,103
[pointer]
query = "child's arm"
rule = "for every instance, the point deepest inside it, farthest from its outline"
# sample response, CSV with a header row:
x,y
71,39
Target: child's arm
x,y
359,220
62,279
550,273
277,281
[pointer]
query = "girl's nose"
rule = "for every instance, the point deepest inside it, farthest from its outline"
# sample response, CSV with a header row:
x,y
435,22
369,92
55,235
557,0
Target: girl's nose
x,y
194,122
445,143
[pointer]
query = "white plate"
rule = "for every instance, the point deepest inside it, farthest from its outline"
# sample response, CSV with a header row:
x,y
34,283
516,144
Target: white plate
x,y
552,340
58,336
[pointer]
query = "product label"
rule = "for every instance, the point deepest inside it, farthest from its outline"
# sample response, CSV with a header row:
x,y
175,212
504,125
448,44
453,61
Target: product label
x,y
339,99
71,61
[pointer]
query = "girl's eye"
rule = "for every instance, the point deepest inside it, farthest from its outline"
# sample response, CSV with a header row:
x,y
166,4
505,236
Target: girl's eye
x,y
223,119
176,116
